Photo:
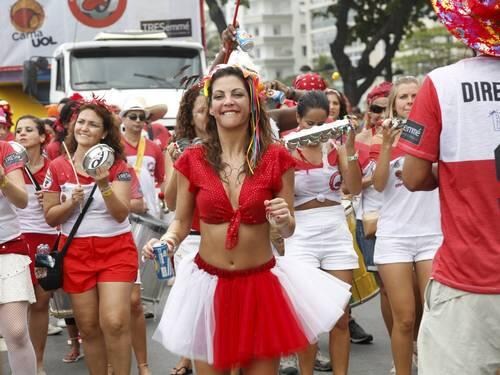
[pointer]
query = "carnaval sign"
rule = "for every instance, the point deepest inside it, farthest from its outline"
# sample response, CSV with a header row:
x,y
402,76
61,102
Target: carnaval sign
x,y
37,27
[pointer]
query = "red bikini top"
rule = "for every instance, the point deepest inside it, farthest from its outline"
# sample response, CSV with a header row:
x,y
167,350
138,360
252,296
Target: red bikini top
x,y
211,199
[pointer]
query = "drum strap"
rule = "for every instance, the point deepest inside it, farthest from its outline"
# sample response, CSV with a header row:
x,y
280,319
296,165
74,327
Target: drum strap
x,y
140,155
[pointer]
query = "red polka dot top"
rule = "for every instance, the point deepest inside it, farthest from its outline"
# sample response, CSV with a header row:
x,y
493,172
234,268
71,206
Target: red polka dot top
x,y
212,200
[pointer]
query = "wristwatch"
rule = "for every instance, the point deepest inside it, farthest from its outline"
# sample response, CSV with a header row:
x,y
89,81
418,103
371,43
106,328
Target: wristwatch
x,y
353,157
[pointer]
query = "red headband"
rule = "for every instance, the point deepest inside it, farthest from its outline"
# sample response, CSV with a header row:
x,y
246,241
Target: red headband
x,y
380,91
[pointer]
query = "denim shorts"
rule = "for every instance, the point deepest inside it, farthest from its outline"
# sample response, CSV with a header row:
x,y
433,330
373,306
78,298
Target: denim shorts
x,y
366,245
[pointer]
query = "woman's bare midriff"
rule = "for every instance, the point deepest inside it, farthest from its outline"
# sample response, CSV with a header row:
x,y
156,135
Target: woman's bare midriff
x,y
316,204
253,248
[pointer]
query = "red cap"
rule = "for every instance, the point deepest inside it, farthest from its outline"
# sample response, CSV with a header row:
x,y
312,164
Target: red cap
x,y
309,81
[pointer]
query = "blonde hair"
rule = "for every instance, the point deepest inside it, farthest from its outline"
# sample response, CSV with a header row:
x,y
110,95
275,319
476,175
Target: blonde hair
x,y
390,111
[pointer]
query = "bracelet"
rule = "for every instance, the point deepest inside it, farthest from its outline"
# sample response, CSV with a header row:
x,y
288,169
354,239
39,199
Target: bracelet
x,y
107,191
174,240
353,157
4,182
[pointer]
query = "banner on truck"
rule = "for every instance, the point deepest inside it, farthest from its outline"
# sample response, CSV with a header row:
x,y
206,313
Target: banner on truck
x,y
37,27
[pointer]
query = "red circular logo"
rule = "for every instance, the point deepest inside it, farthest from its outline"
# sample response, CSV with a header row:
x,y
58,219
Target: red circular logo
x,y
97,13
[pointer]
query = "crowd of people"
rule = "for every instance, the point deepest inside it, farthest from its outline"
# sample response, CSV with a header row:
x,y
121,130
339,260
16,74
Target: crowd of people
x,y
262,249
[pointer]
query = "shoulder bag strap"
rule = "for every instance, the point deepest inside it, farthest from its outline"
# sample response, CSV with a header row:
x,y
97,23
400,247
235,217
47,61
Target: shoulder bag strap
x,y
78,222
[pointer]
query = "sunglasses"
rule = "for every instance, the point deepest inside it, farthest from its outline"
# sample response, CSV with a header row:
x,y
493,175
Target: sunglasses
x,y
376,109
135,117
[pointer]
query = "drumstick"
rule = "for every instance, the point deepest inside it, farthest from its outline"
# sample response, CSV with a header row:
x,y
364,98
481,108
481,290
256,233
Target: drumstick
x,y
74,169
228,45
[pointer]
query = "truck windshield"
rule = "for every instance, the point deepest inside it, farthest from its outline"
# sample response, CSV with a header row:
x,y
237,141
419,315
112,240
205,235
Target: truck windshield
x,y
133,68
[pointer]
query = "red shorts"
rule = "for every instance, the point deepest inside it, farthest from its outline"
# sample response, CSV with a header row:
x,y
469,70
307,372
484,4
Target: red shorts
x,y
33,240
91,260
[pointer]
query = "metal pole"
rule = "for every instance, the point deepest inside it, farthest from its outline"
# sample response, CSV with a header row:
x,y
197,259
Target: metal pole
x,y
228,45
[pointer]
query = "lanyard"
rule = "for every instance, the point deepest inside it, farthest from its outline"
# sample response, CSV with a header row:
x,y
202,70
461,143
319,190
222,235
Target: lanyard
x,y
140,155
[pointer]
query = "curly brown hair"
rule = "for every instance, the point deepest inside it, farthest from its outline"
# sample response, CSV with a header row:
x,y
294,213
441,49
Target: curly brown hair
x,y
113,137
212,144
184,127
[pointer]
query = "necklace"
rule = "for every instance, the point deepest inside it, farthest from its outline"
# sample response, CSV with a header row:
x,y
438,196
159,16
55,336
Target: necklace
x,y
228,170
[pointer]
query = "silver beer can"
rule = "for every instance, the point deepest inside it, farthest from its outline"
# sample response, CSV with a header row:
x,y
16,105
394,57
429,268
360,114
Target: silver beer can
x,y
244,40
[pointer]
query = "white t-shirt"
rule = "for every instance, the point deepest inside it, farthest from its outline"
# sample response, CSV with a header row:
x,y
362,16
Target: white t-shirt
x,y
405,213
152,172
98,221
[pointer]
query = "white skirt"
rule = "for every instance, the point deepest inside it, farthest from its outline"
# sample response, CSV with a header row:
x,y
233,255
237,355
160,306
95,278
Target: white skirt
x,y
188,323
190,245
15,279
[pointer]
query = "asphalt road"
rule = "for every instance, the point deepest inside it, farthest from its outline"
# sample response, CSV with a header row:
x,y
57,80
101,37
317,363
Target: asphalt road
x,y
371,359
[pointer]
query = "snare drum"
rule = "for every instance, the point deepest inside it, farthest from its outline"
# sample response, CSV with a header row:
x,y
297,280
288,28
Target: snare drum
x,y
364,285
144,228
60,305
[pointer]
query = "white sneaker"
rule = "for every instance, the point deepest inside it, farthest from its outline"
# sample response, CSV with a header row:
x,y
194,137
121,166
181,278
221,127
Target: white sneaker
x,y
61,323
53,330
288,365
392,371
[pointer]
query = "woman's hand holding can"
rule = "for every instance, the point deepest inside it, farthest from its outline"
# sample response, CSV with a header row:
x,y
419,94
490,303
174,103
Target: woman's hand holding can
x,y
147,250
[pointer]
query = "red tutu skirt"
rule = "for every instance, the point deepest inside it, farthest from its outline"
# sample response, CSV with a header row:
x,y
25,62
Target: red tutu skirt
x,y
230,318
254,318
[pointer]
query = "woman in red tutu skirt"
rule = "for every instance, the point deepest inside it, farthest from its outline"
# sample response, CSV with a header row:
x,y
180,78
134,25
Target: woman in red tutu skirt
x,y
233,304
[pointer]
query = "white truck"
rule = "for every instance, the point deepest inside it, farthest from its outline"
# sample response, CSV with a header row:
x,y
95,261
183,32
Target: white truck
x,y
121,65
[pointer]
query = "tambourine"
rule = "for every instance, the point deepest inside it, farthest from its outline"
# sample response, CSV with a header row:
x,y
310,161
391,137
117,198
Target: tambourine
x,y
100,155
398,123
21,151
317,134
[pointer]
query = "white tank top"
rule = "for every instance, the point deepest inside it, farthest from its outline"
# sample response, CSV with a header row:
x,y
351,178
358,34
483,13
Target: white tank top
x,y
318,182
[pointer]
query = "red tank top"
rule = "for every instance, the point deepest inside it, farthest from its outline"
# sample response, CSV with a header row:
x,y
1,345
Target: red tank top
x,y
211,199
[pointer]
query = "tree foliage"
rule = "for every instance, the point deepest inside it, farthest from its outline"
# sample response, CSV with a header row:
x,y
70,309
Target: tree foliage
x,y
427,49
375,21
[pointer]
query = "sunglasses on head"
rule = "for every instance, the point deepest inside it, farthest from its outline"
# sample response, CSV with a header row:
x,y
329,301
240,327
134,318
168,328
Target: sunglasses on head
x,y
135,117
376,109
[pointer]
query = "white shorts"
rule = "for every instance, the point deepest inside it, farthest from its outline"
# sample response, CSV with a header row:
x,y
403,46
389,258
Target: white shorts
x,y
322,239
15,279
406,249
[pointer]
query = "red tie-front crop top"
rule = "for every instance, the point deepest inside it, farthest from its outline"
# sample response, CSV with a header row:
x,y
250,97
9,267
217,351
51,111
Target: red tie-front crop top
x,y
212,200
